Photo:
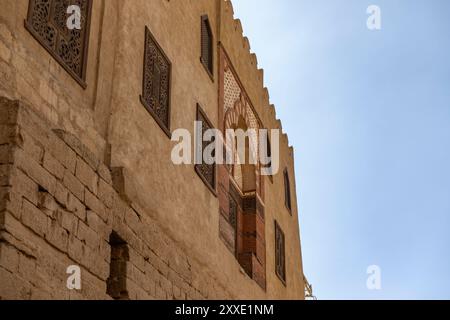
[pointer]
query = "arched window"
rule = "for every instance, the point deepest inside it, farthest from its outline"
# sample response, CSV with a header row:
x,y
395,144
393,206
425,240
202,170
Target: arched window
x,y
240,192
244,172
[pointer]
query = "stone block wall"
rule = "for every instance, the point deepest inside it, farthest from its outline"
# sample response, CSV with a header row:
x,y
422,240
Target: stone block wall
x,y
61,206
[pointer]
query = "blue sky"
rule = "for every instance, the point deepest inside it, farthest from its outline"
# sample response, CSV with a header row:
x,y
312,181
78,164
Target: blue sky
x,y
368,113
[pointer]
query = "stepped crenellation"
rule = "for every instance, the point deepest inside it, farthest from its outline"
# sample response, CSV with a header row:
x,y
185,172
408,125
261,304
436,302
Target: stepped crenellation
x,y
258,73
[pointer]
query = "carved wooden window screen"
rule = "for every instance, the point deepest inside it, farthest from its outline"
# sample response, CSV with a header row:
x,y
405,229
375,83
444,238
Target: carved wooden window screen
x,y
207,172
156,82
280,258
47,22
207,45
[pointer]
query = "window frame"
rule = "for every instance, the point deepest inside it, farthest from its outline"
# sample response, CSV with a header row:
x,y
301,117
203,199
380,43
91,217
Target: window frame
x,y
278,230
161,124
209,69
213,188
269,151
287,191
81,80
117,243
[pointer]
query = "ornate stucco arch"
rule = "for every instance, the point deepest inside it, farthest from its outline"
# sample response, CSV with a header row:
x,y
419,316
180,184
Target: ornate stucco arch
x,y
241,203
232,115
242,112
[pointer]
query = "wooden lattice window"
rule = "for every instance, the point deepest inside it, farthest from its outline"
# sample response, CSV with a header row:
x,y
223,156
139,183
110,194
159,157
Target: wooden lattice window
x,y
47,22
207,172
287,191
207,51
280,258
156,82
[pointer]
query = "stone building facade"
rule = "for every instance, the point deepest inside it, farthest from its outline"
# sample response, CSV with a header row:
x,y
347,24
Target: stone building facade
x,y
86,177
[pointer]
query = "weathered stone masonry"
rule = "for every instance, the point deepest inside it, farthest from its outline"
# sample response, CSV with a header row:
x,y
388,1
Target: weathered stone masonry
x,y
60,205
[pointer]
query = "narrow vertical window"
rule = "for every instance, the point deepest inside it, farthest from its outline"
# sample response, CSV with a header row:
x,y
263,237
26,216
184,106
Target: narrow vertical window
x,y
280,258
207,45
287,191
117,281
269,154
156,82
47,23
207,172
